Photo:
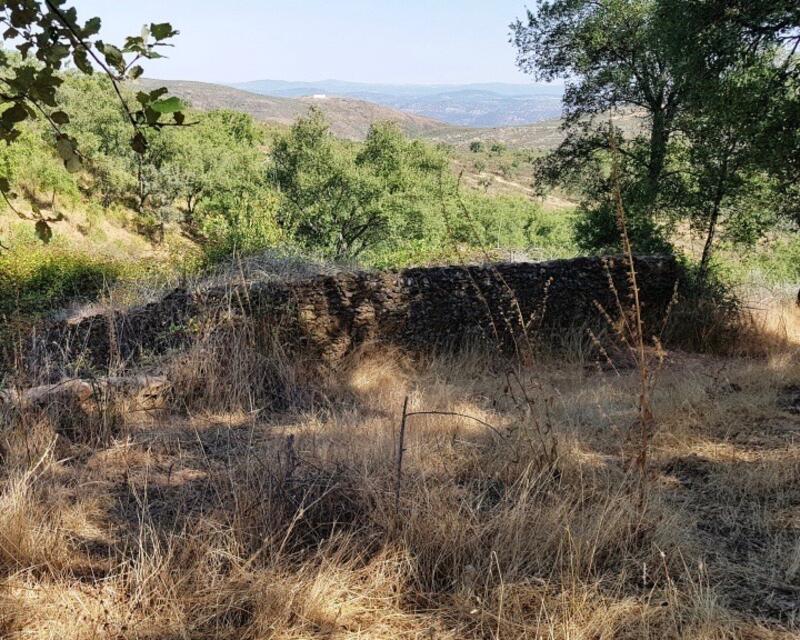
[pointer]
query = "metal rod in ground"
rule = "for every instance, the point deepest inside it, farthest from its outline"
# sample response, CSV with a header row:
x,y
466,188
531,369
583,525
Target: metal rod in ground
x,y
400,450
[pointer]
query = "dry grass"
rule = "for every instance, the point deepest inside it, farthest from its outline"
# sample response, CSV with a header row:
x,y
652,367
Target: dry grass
x,y
261,505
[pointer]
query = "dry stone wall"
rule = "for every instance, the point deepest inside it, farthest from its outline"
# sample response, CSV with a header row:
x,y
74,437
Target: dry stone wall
x,y
419,308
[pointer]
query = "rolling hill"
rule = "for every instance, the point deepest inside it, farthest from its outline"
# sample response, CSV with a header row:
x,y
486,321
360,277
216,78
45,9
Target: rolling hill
x,y
471,105
543,135
349,118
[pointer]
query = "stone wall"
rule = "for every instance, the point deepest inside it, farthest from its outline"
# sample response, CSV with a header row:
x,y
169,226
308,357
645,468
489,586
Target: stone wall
x,y
419,308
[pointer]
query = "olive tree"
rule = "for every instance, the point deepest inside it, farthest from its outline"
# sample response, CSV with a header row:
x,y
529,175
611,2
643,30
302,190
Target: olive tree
x,y
699,102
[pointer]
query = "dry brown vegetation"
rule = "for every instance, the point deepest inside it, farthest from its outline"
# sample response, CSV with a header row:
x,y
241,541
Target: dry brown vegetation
x,y
257,500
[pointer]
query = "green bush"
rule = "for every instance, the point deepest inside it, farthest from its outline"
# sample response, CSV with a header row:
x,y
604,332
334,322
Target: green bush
x,y
36,280
473,225
705,315
773,262
597,231
341,199
239,221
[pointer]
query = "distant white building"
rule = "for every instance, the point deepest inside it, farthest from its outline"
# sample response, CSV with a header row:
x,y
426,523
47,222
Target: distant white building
x,y
319,96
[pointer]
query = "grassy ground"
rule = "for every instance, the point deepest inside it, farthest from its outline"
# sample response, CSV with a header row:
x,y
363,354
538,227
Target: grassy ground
x,y
261,498
92,253
227,520
774,263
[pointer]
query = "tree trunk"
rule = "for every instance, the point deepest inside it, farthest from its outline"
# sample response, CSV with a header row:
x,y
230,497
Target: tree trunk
x,y
708,248
142,188
659,137
716,205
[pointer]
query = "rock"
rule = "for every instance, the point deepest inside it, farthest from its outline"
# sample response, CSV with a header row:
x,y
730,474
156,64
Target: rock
x,y
420,309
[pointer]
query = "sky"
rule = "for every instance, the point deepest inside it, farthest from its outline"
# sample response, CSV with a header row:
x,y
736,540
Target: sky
x,y
391,41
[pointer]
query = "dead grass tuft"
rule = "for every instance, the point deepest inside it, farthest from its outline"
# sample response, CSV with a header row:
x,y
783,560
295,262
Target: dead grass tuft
x,y
261,502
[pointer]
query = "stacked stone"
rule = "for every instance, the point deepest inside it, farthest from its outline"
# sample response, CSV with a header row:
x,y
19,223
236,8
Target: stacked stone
x,y
420,308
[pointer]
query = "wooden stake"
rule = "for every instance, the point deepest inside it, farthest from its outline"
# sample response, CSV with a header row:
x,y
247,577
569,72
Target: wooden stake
x,y
400,450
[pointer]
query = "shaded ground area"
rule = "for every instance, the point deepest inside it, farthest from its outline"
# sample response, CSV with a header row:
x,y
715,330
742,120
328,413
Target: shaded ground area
x,y
518,517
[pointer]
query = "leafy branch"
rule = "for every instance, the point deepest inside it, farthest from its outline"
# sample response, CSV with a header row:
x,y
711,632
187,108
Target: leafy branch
x,y
48,37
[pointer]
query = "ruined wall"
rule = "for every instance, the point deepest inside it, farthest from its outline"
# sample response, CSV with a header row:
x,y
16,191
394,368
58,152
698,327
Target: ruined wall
x,y
418,308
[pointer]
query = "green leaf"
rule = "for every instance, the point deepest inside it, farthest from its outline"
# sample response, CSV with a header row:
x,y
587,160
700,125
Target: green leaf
x,y
92,27
9,135
151,116
81,58
43,231
155,94
65,148
167,105
178,117
57,52
73,164
23,14
162,31
60,117
24,78
139,143
5,185
70,14
135,44
14,114
112,55
135,72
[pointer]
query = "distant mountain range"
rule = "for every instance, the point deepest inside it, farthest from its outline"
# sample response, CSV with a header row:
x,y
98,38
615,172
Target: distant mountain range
x,y
348,117
467,105
351,118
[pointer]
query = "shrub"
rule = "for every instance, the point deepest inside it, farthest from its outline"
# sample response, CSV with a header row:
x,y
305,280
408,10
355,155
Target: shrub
x,y
596,231
35,280
775,262
706,314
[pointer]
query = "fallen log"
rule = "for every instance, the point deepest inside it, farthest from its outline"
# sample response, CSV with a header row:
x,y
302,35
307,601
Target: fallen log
x,y
79,390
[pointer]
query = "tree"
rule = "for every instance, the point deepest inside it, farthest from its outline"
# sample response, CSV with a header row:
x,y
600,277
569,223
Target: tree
x,y
47,35
741,119
207,152
615,54
38,174
325,204
723,180
715,81
240,212
341,199
97,124
225,185
146,179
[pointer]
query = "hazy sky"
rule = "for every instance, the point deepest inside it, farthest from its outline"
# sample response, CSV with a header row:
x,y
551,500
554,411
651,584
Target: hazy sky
x,y
397,41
